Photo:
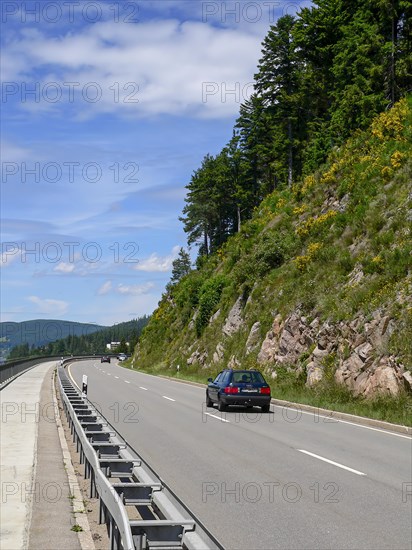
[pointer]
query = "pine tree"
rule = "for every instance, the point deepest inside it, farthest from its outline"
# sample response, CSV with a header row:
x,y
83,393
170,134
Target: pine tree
x,y
181,266
277,83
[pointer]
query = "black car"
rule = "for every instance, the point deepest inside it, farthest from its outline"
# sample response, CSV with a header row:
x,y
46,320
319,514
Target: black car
x,y
238,387
105,359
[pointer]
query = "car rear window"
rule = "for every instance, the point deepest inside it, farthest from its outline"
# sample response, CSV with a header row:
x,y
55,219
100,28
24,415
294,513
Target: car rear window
x,y
248,377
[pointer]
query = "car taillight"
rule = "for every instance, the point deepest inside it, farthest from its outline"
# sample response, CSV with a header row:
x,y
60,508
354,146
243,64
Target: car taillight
x,y
231,389
265,391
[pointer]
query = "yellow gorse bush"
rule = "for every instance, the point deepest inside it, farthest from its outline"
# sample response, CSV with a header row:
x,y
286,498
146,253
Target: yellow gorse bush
x,y
386,172
396,159
377,260
390,124
313,248
308,182
305,227
299,209
302,262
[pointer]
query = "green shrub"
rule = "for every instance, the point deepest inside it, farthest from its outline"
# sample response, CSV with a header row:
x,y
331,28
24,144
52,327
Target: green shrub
x,y
209,296
187,293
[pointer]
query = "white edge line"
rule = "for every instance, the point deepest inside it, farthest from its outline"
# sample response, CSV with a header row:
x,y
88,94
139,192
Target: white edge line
x,y
142,388
333,420
376,429
169,398
357,472
117,377
218,417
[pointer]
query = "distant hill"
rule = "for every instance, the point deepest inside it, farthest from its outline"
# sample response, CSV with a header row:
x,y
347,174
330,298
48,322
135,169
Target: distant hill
x,y
40,332
52,337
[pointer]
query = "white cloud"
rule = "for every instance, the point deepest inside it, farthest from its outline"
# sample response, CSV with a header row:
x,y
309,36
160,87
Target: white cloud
x,y
12,153
105,288
157,67
10,253
49,306
134,290
160,264
64,267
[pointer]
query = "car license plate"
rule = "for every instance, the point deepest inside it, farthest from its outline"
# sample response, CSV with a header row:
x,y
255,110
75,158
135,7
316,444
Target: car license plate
x,y
249,391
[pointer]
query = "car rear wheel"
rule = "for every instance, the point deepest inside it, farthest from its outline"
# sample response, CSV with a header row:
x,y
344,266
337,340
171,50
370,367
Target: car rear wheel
x,y
265,408
221,406
209,402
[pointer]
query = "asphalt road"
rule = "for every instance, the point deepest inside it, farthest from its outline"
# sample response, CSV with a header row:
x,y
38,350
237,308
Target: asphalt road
x,y
287,479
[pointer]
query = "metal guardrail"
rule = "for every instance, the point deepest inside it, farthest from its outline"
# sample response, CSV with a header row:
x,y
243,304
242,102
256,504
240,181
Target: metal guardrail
x,y
12,369
140,511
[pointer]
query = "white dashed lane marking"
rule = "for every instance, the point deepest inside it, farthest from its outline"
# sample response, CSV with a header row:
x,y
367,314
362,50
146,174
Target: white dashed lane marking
x,y
357,472
217,417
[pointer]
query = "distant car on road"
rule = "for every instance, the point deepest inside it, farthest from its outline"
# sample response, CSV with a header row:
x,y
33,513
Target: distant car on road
x,y
122,357
105,359
238,387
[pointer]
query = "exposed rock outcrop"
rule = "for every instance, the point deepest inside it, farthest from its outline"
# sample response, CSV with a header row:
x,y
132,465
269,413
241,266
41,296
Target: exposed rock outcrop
x,y
286,341
198,358
233,363
254,338
218,354
234,320
214,317
354,353
192,322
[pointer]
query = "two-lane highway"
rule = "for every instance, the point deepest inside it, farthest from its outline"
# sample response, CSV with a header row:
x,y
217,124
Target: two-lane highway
x,y
287,479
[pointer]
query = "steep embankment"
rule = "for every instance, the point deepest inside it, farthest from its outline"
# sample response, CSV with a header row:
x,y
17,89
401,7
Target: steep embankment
x,y
316,287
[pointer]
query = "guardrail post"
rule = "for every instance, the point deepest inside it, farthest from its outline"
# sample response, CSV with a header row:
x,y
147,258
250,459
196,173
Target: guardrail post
x,y
111,534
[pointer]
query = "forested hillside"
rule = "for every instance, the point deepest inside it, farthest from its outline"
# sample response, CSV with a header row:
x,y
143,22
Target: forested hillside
x,y
316,289
28,335
79,341
322,74
304,220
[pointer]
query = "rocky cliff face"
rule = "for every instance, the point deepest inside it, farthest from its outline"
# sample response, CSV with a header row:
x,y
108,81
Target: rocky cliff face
x,y
354,353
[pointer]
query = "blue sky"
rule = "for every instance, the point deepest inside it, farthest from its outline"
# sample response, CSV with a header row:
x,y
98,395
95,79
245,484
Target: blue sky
x,y
107,108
